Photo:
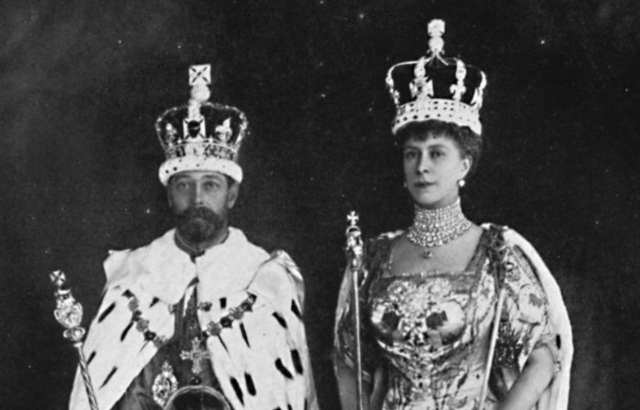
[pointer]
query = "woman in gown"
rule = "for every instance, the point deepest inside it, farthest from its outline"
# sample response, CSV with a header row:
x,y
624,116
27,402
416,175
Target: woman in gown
x,y
430,295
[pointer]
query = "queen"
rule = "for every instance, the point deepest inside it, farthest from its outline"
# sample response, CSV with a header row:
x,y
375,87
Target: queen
x,y
453,315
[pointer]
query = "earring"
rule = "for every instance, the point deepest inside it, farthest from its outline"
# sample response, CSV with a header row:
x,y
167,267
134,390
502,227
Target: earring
x,y
461,183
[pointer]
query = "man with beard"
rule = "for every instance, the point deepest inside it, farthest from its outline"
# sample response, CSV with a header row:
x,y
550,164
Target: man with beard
x,y
200,318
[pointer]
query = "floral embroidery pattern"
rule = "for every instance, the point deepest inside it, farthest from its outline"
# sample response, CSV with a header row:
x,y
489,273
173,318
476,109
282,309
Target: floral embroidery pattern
x,y
430,327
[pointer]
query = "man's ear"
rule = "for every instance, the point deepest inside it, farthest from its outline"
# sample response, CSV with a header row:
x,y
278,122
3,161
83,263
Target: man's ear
x,y
234,190
169,200
168,188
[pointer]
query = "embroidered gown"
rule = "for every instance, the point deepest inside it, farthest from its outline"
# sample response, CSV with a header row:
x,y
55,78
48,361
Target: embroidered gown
x,y
431,330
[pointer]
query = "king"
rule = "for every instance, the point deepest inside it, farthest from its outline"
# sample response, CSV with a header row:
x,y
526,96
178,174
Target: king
x,y
200,318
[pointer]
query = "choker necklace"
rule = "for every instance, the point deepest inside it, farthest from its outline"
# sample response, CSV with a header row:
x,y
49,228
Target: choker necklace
x,y
436,227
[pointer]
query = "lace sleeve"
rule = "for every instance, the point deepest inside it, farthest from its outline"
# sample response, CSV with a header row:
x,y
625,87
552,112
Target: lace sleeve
x,y
524,325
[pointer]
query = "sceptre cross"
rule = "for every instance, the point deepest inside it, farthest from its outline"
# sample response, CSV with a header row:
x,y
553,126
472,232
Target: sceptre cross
x,y
353,218
196,355
354,253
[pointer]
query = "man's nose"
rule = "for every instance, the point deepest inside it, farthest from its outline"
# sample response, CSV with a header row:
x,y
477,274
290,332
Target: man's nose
x,y
198,195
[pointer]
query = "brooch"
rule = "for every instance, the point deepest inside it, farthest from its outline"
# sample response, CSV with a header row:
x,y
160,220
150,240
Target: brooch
x,y
164,385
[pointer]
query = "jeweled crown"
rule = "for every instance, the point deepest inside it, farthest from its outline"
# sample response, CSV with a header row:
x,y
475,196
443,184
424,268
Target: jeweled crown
x,y
201,136
435,87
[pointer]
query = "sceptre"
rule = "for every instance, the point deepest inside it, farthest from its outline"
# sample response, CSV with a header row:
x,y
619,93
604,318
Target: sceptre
x,y
503,268
354,252
68,312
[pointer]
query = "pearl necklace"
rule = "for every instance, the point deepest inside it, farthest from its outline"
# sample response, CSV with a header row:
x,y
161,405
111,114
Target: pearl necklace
x,y
436,227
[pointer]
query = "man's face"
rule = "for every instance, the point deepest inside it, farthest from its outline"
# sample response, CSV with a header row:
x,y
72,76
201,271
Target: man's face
x,y
201,201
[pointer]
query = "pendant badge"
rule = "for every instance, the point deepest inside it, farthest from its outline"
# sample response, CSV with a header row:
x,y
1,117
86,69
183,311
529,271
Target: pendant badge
x,y
164,385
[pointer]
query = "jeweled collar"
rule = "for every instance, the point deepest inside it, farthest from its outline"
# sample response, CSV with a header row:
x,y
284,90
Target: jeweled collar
x,y
436,227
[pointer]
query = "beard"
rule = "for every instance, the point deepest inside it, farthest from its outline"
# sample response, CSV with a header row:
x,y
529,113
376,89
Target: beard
x,y
198,225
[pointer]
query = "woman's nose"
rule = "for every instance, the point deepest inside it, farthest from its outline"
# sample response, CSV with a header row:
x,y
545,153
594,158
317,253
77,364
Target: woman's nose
x,y
423,164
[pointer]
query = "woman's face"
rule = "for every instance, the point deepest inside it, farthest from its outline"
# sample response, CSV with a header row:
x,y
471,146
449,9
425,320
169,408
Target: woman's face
x,y
432,169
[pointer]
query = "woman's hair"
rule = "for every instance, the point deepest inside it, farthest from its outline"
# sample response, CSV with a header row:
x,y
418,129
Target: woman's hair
x,y
468,142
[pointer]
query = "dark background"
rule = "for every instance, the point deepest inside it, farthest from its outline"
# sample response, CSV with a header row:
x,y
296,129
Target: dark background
x,y
81,84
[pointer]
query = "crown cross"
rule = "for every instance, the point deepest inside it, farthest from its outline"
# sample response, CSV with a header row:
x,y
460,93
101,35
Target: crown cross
x,y
224,131
196,355
458,90
58,278
436,43
199,80
421,89
200,74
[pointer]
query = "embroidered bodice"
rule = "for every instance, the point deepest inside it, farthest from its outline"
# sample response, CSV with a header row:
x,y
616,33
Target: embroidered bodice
x,y
432,328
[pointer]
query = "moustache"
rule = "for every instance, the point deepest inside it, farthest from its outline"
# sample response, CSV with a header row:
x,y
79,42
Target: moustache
x,y
198,213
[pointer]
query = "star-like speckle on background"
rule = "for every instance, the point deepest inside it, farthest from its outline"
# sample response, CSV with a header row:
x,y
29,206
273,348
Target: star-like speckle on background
x,y
83,86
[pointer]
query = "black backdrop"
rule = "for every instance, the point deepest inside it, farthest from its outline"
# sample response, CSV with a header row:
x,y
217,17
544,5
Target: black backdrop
x,y
81,84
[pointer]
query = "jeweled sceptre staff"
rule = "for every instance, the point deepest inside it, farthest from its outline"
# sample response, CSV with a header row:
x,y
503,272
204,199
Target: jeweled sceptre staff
x,y
69,314
503,268
354,252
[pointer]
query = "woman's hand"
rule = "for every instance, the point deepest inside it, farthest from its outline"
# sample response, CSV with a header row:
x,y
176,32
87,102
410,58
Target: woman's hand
x,y
531,383
372,394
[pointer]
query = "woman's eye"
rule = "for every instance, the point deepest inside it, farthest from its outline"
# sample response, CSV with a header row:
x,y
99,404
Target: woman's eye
x,y
436,154
210,185
409,155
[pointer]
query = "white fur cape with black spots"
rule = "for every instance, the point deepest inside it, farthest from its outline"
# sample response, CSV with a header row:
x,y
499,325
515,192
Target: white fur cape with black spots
x,y
267,343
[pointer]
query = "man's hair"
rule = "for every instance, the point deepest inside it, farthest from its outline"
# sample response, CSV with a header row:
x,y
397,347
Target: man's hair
x,y
230,181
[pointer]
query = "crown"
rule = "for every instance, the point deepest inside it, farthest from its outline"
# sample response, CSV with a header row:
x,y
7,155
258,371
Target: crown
x,y
436,88
201,136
